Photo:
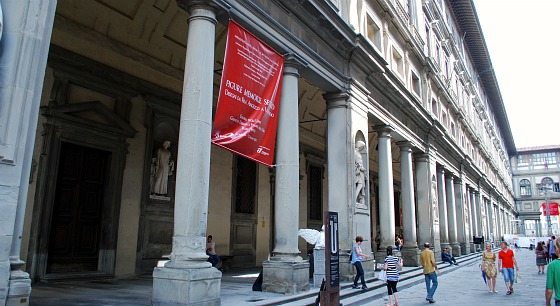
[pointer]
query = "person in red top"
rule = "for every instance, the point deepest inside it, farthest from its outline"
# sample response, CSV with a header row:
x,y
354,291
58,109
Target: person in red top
x,y
506,264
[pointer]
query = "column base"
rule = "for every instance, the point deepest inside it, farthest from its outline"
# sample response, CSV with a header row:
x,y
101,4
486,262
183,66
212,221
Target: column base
x,y
465,248
456,248
472,247
19,289
286,277
410,256
186,286
444,245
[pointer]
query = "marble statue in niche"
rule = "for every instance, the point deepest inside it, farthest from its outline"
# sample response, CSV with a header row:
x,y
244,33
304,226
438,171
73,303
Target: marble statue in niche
x,y
360,173
161,169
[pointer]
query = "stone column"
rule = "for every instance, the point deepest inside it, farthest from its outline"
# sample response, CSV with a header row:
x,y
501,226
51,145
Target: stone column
x,y
470,212
340,171
410,248
286,272
426,195
442,203
188,279
24,48
452,214
499,221
486,219
479,203
491,229
538,230
27,27
386,195
462,219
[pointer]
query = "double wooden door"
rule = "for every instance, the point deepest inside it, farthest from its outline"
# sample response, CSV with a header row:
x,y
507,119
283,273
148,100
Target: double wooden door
x,y
75,232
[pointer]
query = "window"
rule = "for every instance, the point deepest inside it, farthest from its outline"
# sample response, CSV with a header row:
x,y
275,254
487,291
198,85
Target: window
x,y
525,188
547,183
444,119
397,62
434,107
373,33
550,160
315,196
539,161
428,38
437,52
415,83
245,185
453,131
411,5
523,160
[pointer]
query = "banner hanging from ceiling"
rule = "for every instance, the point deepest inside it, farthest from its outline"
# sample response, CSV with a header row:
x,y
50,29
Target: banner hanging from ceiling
x,y
247,113
553,208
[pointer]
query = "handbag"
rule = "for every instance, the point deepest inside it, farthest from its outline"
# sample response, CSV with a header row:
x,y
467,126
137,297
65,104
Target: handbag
x,y
382,276
518,277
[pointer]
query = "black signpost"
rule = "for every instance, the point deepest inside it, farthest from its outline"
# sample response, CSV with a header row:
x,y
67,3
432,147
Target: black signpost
x,y
331,295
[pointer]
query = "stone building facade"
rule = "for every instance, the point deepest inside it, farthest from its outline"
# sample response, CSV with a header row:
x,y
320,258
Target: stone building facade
x,y
90,90
536,182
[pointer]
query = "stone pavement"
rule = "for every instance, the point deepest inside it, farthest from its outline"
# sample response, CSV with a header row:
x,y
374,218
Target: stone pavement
x,y
462,285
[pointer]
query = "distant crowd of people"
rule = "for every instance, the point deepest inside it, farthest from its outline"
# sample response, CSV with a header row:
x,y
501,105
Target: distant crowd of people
x,y
492,263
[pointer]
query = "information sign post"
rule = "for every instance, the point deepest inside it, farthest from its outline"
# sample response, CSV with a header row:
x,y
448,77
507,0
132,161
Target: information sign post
x,y
331,295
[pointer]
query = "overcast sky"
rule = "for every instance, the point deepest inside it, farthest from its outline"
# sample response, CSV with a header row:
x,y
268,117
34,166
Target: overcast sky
x,y
523,40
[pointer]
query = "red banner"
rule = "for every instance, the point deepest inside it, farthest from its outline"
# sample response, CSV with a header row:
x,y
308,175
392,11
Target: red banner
x,y
247,112
553,208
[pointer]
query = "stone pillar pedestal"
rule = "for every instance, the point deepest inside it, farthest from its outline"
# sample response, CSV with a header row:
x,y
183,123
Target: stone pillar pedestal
x,y
319,272
19,288
410,256
465,248
186,286
456,248
287,277
445,245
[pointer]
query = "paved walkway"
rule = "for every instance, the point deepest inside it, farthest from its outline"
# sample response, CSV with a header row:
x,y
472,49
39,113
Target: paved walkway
x,y
462,285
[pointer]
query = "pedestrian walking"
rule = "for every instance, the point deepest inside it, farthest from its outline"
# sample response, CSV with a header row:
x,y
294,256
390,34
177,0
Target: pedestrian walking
x,y
540,257
553,278
430,272
391,267
551,251
506,264
488,266
357,256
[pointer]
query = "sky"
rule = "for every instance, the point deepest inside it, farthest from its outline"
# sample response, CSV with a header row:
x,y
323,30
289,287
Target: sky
x,y
523,41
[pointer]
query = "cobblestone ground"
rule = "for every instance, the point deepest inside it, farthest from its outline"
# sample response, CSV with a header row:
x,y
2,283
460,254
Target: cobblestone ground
x,y
465,286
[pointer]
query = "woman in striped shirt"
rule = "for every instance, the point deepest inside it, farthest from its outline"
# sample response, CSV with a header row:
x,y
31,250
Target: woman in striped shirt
x,y
391,266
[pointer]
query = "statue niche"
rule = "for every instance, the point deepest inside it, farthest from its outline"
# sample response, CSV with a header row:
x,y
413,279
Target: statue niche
x,y
162,167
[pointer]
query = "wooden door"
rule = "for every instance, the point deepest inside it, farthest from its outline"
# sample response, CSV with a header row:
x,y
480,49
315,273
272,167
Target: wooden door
x,y
244,215
77,211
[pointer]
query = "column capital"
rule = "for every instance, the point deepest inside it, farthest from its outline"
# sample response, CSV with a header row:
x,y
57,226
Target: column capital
x,y
383,131
191,5
404,145
337,99
295,61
